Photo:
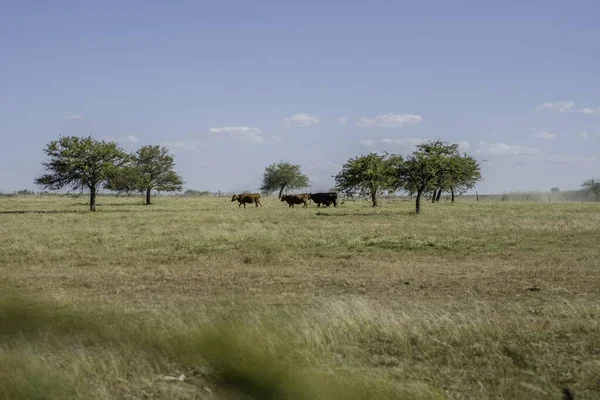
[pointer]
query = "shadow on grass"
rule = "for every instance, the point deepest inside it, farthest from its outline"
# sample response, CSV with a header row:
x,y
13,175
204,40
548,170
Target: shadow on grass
x,y
42,211
111,204
85,211
359,214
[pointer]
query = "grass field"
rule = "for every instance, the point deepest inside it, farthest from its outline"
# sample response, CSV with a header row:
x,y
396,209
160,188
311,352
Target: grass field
x,y
196,298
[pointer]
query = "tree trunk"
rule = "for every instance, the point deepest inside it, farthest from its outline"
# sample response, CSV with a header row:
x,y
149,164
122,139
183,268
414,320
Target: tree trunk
x,y
439,194
419,193
374,198
148,190
92,198
452,192
281,191
477,195
433,196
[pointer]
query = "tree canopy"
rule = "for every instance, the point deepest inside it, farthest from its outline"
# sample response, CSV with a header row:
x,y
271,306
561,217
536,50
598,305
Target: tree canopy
x,y
368,175
592,186
80,163
151,167
281,176
436,166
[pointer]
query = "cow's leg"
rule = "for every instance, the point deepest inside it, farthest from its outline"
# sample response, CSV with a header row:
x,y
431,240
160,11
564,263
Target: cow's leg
x,y
240,204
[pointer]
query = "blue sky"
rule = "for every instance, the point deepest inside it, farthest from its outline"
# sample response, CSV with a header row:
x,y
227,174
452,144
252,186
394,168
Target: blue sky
x,y
232,86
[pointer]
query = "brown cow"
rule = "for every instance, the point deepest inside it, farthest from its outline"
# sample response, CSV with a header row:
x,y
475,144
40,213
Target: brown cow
x,y
247,198
292,199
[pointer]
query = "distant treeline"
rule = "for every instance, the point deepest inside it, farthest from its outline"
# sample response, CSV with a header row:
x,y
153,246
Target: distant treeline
x,y
579,195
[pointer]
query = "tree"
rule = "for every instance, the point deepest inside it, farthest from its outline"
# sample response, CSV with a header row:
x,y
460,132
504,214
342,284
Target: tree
x,y
281,176
368,175
456,173
151,167
555,189
155,166
80,163
592,186
464,173
427,169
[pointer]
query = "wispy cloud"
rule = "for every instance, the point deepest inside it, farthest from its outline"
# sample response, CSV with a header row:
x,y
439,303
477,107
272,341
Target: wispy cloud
x,y
342,120
503,149
181,144
590,111
386,142
584,135
243,133
300,120
122,139
367,142
560,106
74,116
545,135
236,130
464,146
407,143
391,121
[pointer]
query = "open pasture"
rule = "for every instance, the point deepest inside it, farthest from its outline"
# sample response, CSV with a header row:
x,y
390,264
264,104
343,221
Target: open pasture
x,y
467,300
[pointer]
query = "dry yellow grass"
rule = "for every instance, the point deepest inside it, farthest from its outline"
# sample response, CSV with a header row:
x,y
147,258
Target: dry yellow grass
x,y
471,300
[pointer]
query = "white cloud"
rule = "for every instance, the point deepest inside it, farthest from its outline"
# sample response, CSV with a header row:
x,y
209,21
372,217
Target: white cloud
x,y
560,106
584,135
122,139
390,121
181,145
464,146
302,120
244,133
590,111
342,120
401,142
502,149
277,139
367,143
545,135
74,116
236,130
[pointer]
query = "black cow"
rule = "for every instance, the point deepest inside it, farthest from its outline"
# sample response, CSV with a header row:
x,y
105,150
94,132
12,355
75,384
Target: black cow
x,y
324,198
247,198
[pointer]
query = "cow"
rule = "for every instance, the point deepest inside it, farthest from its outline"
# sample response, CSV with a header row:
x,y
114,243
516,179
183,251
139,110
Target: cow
x,y
324,198
292,199
307,195
247,198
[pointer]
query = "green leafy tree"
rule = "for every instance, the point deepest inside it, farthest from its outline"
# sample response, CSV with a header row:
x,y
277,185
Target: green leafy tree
x,y
151,168
126,179
80,163
464,173
456,173
281,176
368,175
592,186
424,170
